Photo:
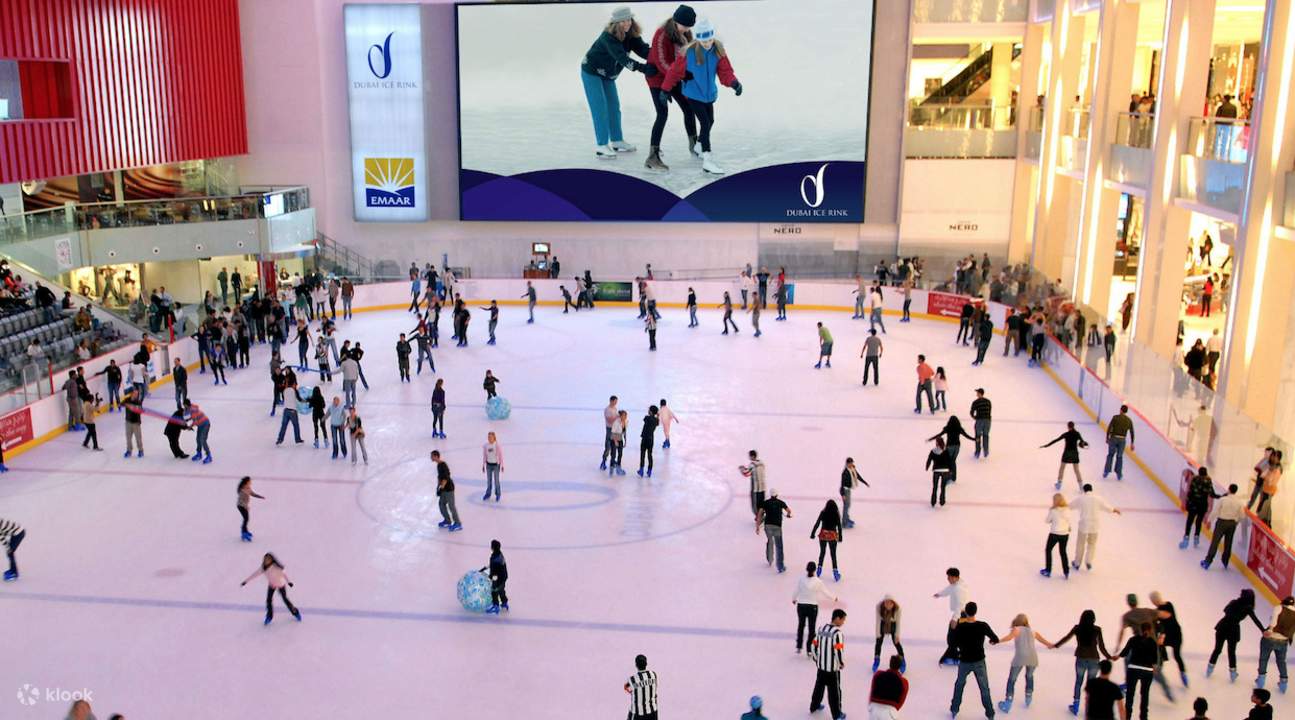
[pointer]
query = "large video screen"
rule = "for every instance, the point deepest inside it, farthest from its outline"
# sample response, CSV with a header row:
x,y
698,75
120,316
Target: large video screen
x,y
725,111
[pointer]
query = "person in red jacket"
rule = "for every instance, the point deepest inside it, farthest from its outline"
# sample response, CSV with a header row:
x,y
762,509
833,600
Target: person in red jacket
x,y
670,39
889,691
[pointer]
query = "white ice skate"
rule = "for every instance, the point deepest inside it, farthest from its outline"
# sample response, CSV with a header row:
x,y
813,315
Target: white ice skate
x,y
604,152
622,146
708,165
696,149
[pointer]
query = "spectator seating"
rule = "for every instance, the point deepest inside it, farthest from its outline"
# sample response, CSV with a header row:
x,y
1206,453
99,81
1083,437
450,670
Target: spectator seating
x,y
58,338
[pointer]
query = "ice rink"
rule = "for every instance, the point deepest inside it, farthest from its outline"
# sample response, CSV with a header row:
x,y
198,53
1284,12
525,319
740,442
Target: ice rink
x,y
131,569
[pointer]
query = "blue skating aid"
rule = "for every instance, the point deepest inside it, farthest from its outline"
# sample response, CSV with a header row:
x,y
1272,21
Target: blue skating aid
x,y
498,408
303,407
474,591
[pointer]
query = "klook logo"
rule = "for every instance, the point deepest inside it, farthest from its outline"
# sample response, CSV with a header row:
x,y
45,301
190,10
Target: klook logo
x,y
819,190
28,695
385,50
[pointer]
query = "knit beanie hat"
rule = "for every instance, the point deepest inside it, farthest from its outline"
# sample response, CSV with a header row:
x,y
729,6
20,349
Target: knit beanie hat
x,y
703,30
685,16
621,14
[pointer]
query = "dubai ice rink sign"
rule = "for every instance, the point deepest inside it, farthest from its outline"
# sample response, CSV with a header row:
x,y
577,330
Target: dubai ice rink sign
x,y
384,73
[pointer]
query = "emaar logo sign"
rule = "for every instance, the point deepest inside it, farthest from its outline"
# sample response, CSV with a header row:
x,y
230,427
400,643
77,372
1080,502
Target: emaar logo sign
x,y
385,50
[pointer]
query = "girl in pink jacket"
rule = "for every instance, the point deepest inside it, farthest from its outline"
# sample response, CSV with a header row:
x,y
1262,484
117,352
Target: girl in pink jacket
x,y
276,579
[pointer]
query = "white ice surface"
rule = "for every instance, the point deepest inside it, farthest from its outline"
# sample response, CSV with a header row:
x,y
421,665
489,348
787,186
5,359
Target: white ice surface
x,y
131,568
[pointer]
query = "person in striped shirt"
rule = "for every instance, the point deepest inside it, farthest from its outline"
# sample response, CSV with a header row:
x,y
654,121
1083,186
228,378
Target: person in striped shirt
x,y
11,536
828,648
642,689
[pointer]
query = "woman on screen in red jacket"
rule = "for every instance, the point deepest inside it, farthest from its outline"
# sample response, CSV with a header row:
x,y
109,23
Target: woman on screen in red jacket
x,y
670,39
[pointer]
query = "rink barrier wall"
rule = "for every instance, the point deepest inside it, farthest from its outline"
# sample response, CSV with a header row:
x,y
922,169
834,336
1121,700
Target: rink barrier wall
x,y
1156,456
48,416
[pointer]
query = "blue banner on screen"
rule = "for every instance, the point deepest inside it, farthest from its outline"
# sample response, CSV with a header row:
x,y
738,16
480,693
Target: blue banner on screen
x,y
725,111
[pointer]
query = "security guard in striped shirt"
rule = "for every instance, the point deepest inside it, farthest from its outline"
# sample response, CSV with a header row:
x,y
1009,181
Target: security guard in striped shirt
x,y
829,657
642,691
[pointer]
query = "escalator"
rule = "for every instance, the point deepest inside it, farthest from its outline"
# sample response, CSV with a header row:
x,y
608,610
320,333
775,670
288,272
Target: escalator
x,y
970,79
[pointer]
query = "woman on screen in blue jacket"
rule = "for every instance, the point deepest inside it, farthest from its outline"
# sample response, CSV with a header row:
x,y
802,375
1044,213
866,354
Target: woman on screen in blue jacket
x,y
702,67
610,54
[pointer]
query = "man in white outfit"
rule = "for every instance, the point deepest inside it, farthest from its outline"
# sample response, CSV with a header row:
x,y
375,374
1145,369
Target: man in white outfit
x,y
958,595
1090,507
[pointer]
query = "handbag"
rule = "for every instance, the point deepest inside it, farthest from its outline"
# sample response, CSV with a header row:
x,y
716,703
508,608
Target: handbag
x,y
827,535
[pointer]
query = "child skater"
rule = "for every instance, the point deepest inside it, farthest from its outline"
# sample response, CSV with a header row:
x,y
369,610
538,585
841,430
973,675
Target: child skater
x,y
245,496
321,357
666,416
941,389
498,571
275,579
489,384
619,426
706,61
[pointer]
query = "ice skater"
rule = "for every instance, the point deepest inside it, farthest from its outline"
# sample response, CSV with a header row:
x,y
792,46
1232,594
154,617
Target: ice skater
x,y
403,351
276,580
647,438
952,432
566,300
957,593
1090,507
706,61
1090,648
438,409
727,307
828,647
1276,640
492,464
11,536
1069,452
1025,657
874,307
497,570
1058,535
303,342
674,33
602,64
924,377
245,495
755,471
941,384
824,347
1142,664
445,495
755,318
1200,491
318,415
1170,633
970,635
642,689
493,322
529,297
981,413
828,531
938,463
809,591
769,516
355,427
620,426
889,614
134,422
1227,631
89,409
692,308
871,354
489,385
337,426
201,425
850,480
1120,427
649,327
667,418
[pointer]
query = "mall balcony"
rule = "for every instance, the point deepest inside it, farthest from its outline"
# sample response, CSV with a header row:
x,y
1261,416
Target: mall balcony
x,y
1213,171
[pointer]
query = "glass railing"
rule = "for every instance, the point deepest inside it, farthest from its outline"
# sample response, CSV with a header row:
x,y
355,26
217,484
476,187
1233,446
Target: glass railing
x,y
1183,406
962,117
970,11
1078,123
137,213
1223,139
1036,119
1135,129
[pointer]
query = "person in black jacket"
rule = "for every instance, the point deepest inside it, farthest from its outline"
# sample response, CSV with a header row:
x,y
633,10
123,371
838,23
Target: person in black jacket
x,y
964,323
1069,452
953,434
828,531
1142,654
647,439
602,64
969,636
850,479
1228,629
174,426
498,572
1199,493
937,461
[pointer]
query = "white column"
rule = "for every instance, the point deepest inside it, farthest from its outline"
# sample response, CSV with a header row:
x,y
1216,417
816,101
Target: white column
x,y
1023,187
1184,68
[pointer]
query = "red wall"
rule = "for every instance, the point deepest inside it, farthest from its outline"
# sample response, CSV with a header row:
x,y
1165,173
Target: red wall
x,y
151,82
